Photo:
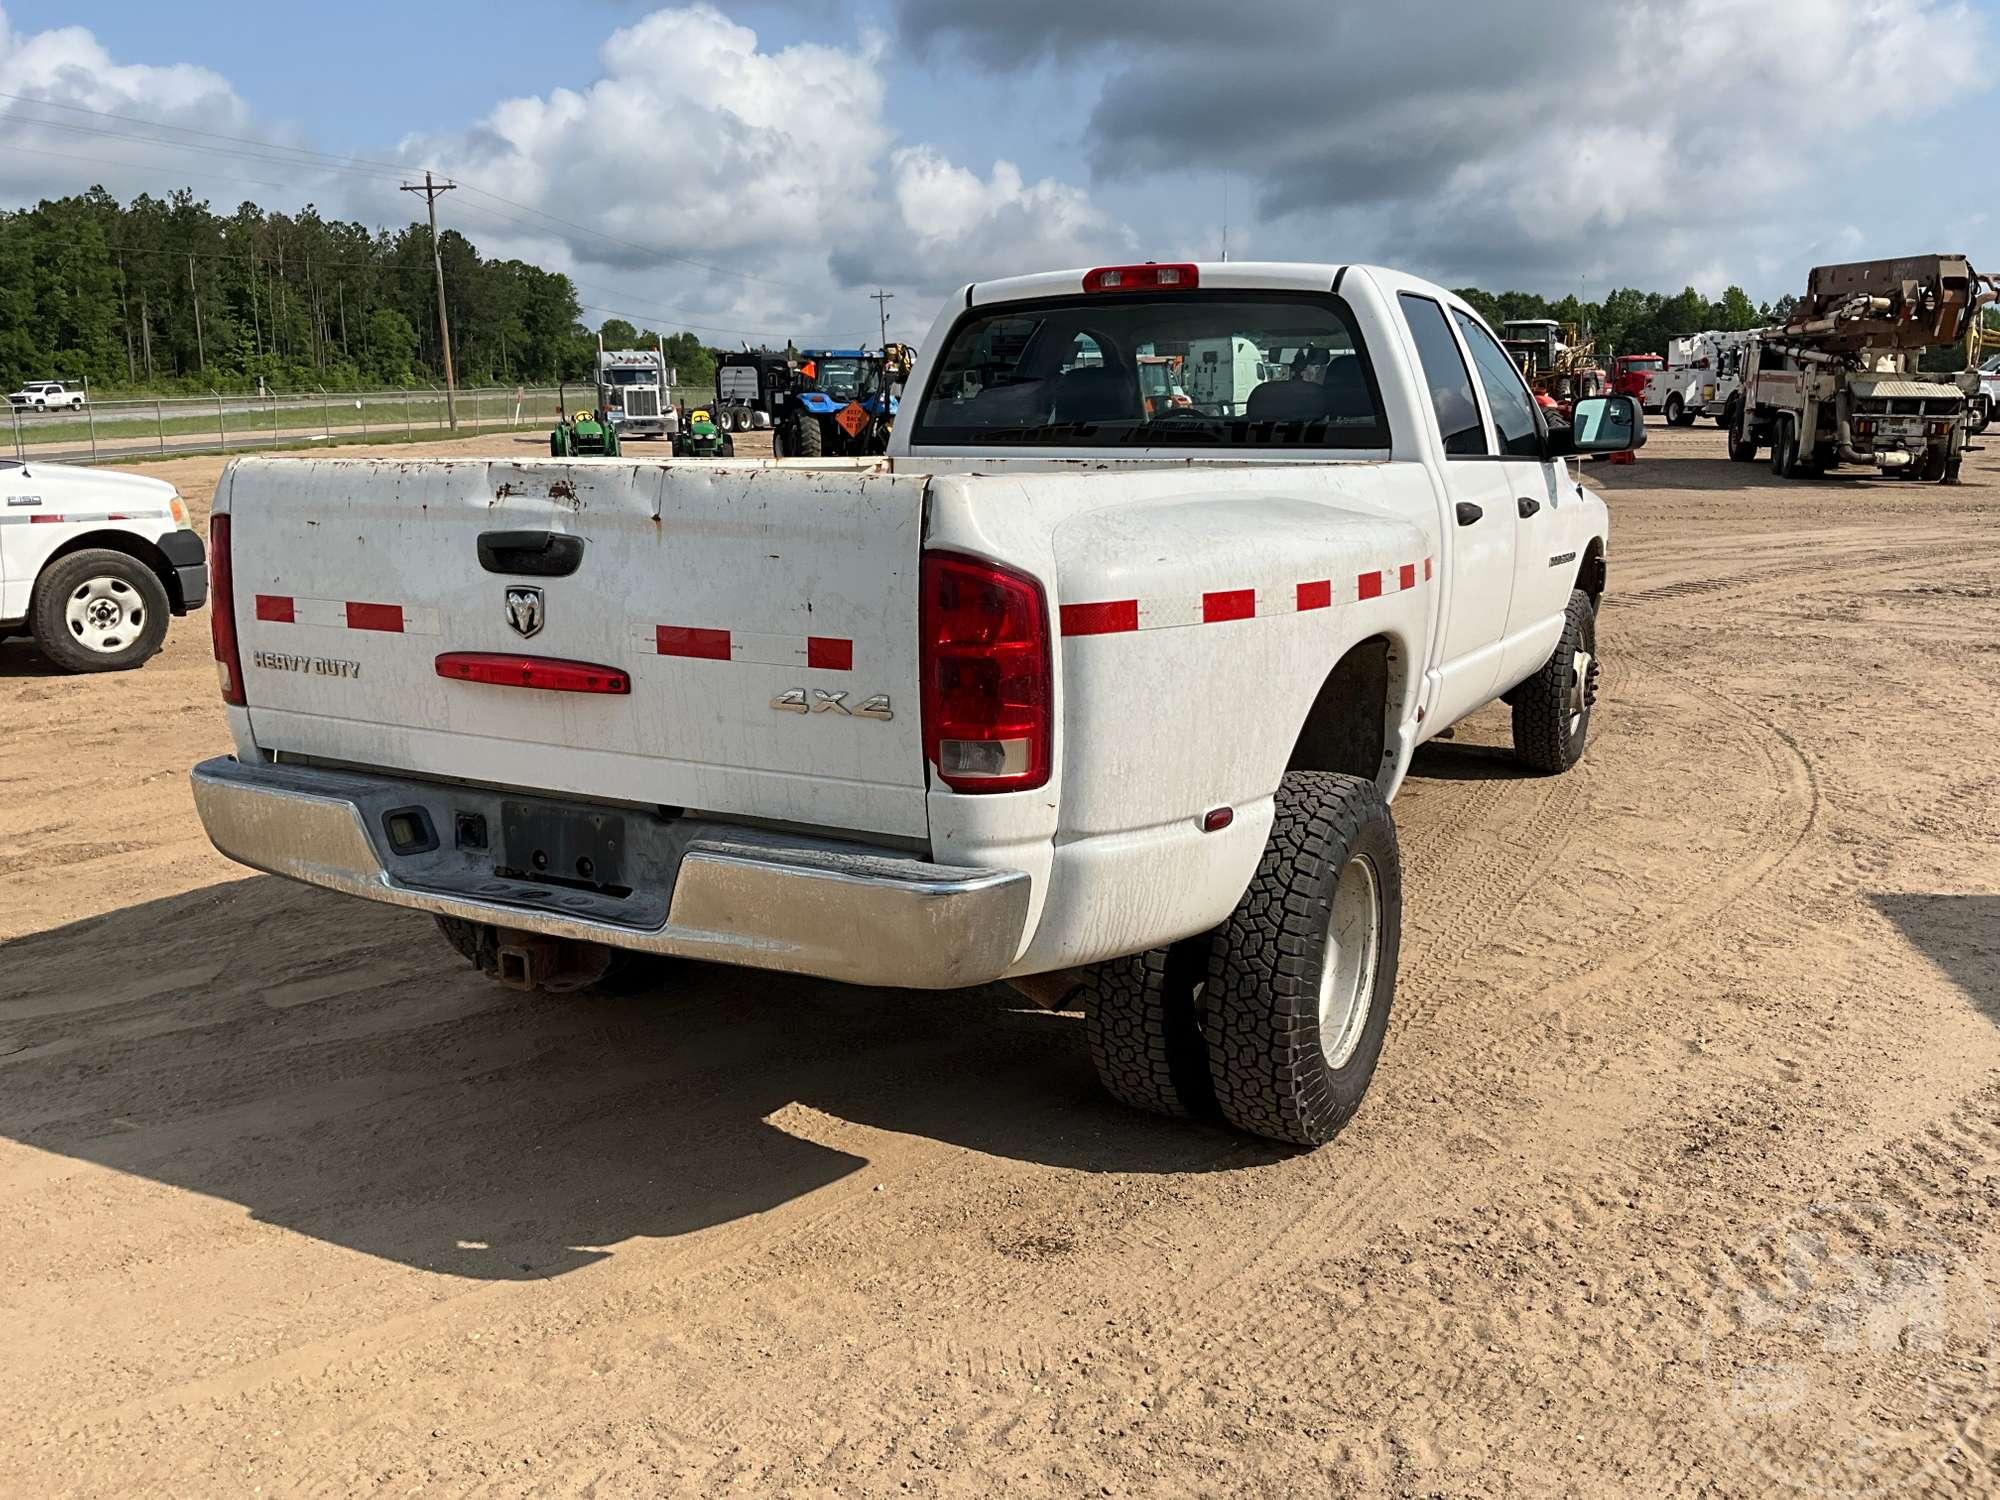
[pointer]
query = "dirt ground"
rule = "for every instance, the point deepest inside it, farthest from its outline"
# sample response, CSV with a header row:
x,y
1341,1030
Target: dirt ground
x,y
1681,1175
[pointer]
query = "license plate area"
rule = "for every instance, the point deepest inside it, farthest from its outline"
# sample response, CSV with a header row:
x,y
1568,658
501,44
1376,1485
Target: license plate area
x,y
553,846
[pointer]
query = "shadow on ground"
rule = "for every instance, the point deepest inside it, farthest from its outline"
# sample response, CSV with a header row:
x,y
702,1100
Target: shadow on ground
x,y
21,657
1960,934
332,1067
1445,760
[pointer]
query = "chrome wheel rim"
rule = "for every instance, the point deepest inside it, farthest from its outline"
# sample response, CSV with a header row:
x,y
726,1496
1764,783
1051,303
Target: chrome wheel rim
x,y
105,614
1347,968
1582,687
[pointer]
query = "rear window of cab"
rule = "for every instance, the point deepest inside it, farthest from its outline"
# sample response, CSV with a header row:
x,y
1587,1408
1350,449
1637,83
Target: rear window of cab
x,y
1192,369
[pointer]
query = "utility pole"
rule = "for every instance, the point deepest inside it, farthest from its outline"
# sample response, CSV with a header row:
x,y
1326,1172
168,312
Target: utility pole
x,y
430,190
882,299
200,354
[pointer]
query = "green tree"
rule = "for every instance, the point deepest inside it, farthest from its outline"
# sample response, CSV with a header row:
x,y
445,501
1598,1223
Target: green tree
x,y
392,345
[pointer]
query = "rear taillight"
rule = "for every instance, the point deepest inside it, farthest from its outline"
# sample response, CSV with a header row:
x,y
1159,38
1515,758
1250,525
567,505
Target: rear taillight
x,y
222,612
988,697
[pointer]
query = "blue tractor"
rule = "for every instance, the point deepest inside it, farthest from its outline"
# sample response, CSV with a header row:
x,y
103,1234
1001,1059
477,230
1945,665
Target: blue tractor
x,y
841,404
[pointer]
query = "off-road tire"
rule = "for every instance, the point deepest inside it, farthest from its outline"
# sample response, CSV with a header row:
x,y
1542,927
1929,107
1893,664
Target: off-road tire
x,y
1549,733
808,440
728,446
48,610
1260,1009
1145,1037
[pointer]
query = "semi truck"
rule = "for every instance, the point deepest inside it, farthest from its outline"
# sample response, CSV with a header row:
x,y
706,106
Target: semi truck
x,y
635,392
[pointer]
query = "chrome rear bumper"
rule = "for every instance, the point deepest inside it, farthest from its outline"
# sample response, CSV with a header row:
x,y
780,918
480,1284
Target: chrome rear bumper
x,y
738,895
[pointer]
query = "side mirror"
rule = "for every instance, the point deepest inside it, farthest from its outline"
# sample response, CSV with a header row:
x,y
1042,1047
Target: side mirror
x,y
1600,424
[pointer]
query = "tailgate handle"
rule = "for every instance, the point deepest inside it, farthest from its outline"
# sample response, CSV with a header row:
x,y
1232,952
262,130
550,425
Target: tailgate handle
x,y
530,554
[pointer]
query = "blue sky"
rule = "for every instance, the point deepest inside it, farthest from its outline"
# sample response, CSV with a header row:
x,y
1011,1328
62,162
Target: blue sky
x,y
802,154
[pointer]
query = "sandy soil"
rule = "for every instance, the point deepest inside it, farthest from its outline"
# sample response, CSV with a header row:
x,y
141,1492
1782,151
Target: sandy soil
x,y
1681,1176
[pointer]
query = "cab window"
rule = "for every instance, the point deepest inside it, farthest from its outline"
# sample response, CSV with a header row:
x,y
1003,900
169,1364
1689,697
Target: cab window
x,y
1507,395
1450,383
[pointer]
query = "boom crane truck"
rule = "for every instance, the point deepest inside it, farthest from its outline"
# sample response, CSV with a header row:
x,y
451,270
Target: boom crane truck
x,y
1839,383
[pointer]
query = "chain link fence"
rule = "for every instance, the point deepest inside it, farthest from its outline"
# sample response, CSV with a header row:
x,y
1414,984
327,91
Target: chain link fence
x,y
105,431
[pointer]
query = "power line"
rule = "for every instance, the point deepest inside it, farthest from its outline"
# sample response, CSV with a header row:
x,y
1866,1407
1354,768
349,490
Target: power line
x,y
242,140
105,161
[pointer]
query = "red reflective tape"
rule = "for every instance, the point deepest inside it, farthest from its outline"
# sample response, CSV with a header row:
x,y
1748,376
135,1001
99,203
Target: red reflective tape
x,y
118,515
687,640
1108,617
829,653
1318,594
1369,585
1406,576
46,520
1427,570
1228,604
375,617
276,607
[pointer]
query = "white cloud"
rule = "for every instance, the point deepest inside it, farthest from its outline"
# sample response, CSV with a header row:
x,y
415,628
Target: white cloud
x,y
66,148
697,143
1507,139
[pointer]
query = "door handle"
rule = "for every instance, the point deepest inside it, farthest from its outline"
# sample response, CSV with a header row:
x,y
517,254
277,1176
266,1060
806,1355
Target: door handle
x,y
1528,507
1468,512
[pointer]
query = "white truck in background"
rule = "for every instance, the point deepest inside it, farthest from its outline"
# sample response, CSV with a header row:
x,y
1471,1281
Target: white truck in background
x,y
1704,375
93,562
1107,701
635,391
48,395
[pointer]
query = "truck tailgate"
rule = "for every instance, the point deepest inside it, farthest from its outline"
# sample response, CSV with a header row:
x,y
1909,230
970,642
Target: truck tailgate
x,y
733,595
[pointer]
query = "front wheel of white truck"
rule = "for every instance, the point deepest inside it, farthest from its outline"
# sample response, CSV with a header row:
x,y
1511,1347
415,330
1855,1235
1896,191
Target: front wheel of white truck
x,y
1301,975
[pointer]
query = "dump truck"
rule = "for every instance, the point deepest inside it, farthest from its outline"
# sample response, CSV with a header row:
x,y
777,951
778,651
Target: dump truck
x,y
1840,383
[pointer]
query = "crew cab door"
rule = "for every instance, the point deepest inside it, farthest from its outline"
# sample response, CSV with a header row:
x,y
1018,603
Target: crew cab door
x,y
1544,547
1479,524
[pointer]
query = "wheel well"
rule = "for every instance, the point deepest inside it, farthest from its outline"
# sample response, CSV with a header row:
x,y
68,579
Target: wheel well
x,y
132,546
1349,728
1590,573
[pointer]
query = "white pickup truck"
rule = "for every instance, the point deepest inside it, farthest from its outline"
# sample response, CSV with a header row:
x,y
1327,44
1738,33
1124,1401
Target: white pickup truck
x,y
1058,687
47,395
93,562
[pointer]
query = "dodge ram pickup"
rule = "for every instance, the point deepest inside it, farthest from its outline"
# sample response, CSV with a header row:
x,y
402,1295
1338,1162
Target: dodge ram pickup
x,y
1068,686
93,562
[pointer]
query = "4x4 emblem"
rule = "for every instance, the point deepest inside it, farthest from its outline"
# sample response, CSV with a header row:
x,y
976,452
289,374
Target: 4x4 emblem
x,y
524,610
795,701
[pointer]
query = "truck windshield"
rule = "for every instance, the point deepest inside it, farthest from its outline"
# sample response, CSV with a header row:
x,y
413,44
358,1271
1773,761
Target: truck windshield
x,y
1259,370
631,377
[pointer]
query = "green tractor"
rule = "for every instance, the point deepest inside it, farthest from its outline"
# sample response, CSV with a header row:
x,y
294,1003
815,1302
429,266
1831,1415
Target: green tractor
x,y
700,437
584,435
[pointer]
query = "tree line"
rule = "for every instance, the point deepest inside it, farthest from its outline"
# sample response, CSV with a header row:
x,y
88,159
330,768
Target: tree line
x,y
166,295
1629,321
